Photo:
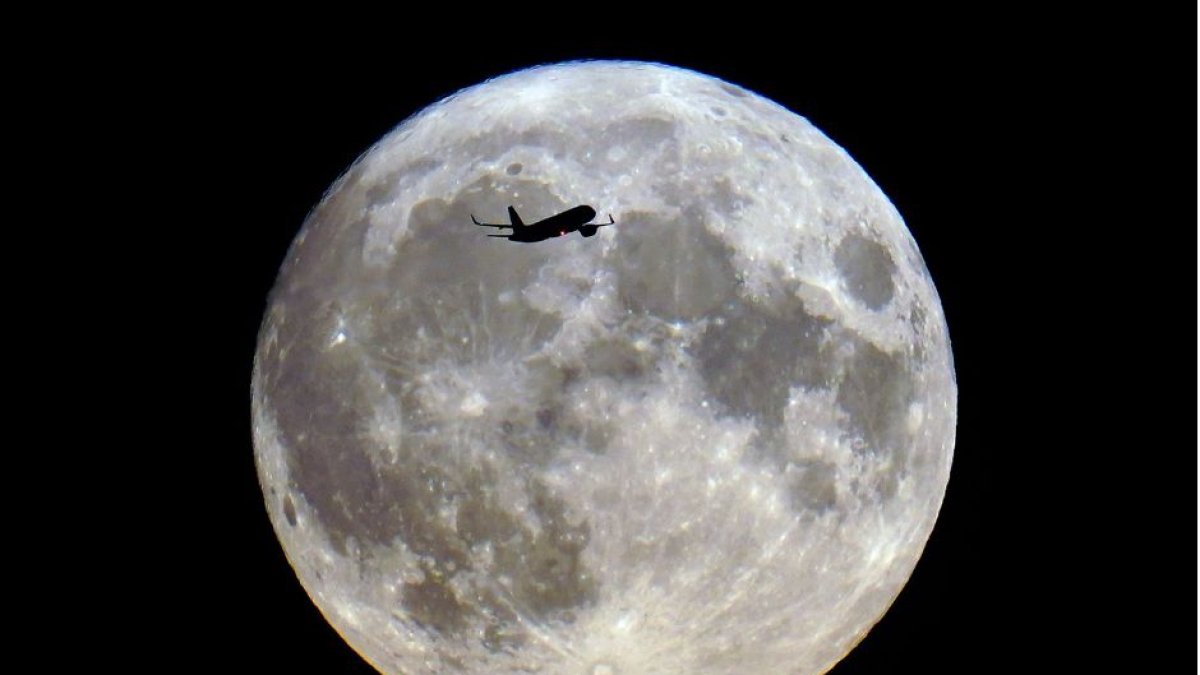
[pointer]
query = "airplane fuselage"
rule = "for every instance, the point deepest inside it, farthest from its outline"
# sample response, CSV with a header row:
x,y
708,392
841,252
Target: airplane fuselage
x,y
558,225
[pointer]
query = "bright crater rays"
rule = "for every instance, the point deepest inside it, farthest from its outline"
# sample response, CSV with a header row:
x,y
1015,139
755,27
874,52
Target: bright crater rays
x,y
713,438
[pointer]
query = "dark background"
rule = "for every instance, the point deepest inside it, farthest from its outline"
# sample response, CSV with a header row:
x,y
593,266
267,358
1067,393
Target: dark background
x,y
1046,168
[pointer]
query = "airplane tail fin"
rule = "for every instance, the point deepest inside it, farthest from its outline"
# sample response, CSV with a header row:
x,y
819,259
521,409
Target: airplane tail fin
x,y
514,218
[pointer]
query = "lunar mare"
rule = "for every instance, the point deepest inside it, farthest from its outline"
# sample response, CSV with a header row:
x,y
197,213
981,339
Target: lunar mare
x,y
713,438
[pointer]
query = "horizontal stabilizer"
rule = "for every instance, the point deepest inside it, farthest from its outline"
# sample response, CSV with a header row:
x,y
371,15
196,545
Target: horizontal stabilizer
x,y
473,220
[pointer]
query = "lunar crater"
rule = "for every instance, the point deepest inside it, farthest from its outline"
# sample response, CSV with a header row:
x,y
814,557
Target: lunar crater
x,y
867,269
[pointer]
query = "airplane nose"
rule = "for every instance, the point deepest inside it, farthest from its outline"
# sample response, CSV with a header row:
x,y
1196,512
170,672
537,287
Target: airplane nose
x,y
591,213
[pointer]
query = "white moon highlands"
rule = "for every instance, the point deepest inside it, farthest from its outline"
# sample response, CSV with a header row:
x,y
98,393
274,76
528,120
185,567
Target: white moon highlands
x,y
713,438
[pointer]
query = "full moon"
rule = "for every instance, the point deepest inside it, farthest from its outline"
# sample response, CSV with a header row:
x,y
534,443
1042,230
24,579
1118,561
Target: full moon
x,y
712,438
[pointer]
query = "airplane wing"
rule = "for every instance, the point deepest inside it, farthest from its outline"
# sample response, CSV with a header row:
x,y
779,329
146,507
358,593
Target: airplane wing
x,y
488,224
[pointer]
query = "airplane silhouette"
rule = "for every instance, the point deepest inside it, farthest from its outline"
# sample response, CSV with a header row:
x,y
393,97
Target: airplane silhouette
x,y
559,225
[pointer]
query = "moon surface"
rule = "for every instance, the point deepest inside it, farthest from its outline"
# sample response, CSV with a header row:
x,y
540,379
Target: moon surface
x,y
713,438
